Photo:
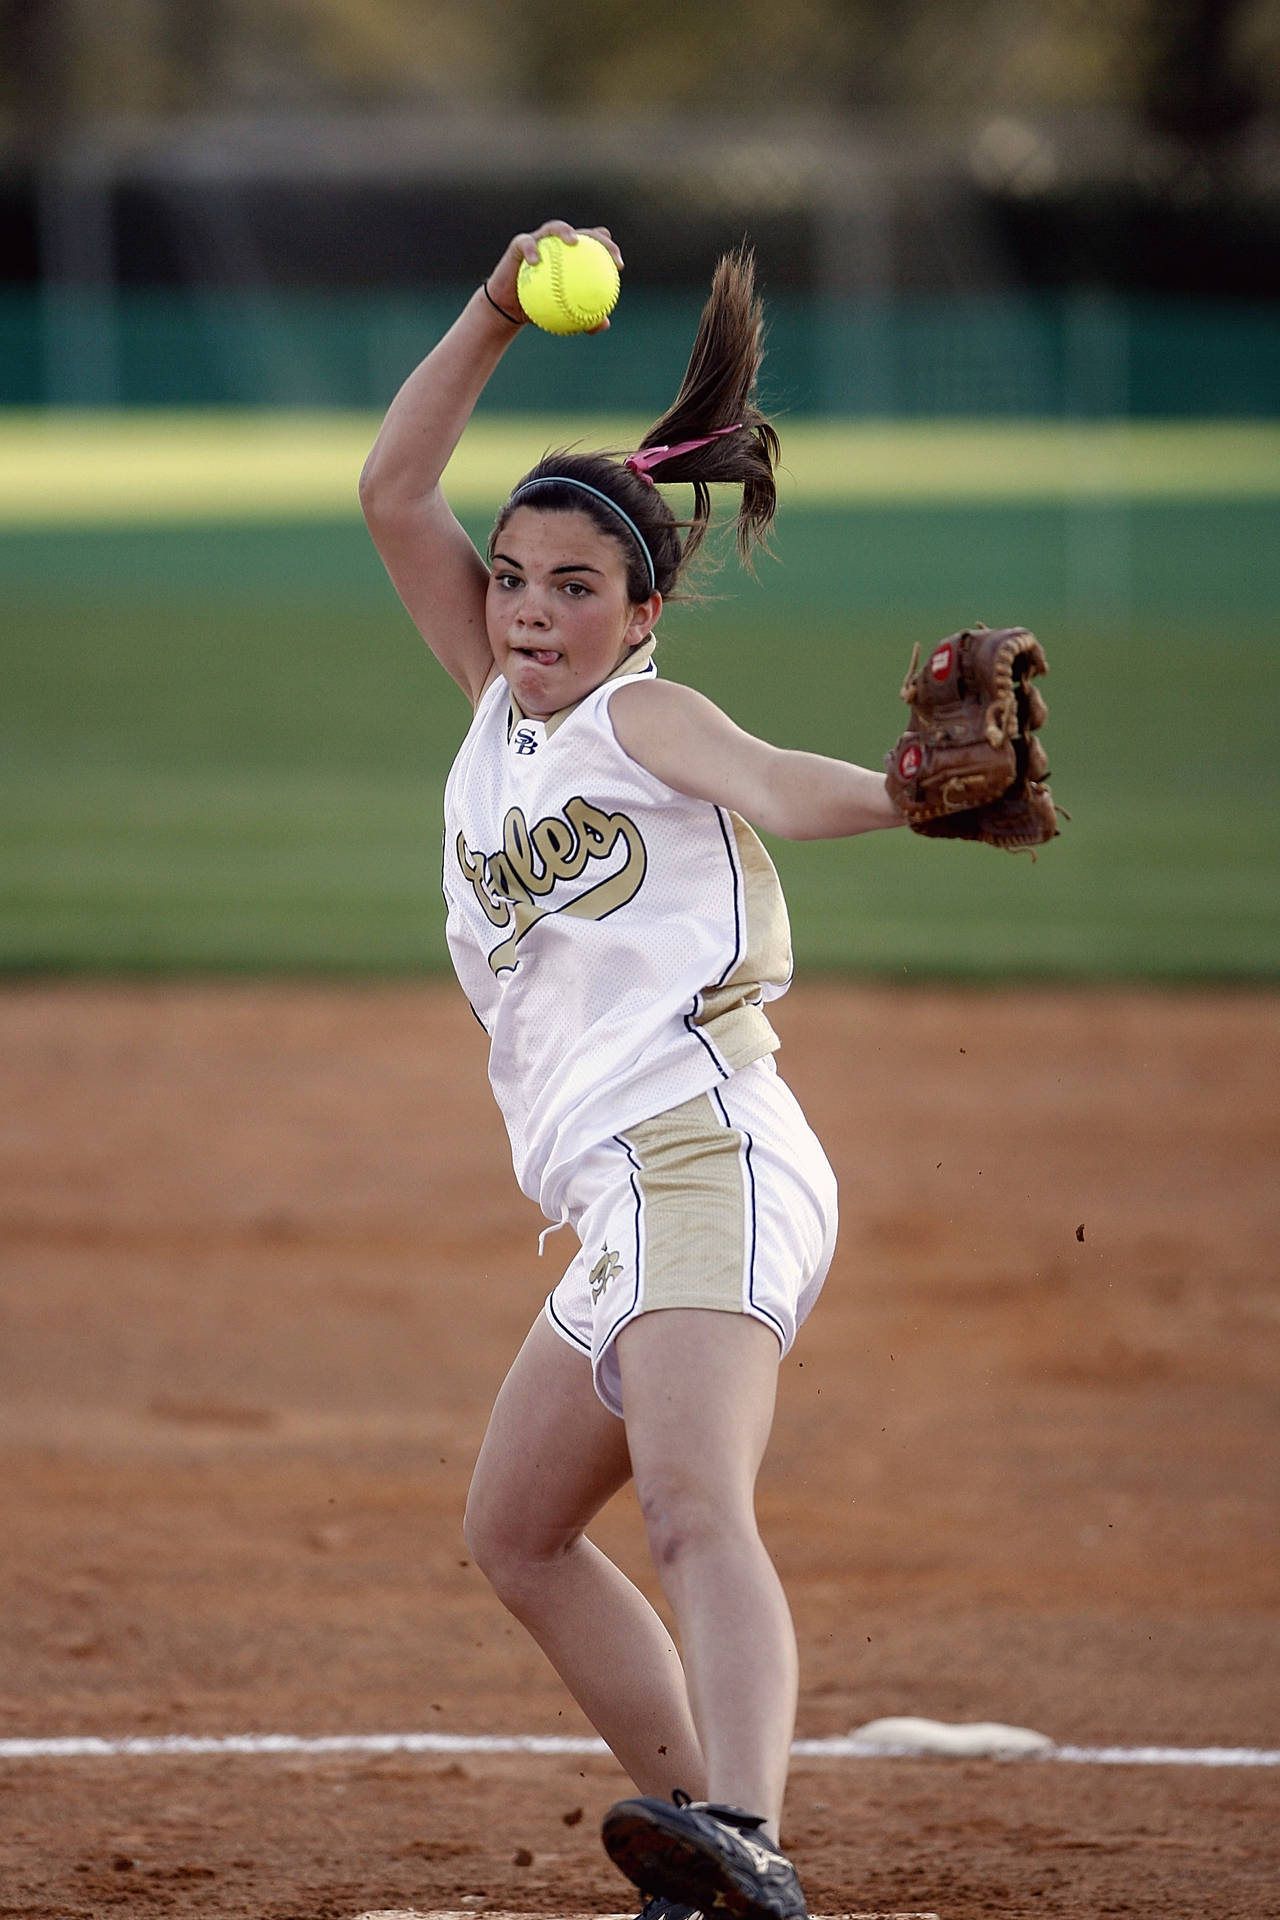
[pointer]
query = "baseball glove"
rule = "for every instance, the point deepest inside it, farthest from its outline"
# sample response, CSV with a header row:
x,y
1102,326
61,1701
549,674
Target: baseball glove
x,y
969,767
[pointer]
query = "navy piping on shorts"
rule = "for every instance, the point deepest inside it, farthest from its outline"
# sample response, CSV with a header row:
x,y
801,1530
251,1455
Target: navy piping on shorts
x,y
635,1259
563,1326
762,1311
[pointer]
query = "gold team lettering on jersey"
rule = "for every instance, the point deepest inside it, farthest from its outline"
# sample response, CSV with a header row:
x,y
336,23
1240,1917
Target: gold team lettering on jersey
x,y
513,884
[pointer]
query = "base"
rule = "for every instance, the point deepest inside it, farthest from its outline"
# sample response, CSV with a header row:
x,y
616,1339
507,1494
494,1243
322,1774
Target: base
x,y
495,1913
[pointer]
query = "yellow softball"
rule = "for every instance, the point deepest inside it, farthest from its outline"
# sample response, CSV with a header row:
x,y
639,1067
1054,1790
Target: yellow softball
x,y
570,287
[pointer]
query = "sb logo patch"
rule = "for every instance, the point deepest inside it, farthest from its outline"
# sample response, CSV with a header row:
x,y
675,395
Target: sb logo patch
x,y
606,1269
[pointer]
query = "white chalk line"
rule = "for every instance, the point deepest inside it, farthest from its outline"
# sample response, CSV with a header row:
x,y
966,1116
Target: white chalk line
x,y
180,1745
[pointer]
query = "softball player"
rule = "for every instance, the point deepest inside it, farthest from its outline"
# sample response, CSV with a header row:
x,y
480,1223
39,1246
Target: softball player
x,y
619,930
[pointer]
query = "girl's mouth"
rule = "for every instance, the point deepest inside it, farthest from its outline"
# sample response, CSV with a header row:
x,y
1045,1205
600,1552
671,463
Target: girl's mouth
x,y
541,656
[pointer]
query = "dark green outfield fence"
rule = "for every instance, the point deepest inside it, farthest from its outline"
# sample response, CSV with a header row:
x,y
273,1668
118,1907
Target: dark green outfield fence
x,y
1080,354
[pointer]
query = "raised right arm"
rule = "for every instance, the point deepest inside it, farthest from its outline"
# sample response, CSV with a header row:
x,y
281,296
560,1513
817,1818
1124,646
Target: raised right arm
x,y
432,563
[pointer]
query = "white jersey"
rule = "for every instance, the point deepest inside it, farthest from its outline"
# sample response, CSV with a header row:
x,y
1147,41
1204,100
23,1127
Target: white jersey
x,y
615,938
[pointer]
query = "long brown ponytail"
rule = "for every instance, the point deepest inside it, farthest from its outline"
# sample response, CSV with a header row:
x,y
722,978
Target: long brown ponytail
x,y
717,392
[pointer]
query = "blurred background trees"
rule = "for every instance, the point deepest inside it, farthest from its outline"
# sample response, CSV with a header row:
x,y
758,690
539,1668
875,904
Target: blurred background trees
x,y
1170,103
873,150
1199,70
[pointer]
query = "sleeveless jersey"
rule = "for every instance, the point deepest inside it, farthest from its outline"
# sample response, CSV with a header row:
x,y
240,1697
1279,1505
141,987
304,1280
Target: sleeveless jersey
x,y
615,938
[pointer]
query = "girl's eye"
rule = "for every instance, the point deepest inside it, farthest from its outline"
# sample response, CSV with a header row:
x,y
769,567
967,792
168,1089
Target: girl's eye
x,y
507,580
576,589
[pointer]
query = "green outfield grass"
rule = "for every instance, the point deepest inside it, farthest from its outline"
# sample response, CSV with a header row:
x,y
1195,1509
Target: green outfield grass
x,y
223,745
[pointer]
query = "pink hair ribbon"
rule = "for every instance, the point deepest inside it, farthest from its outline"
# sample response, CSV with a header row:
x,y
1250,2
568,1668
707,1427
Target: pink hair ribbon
x,y
639,463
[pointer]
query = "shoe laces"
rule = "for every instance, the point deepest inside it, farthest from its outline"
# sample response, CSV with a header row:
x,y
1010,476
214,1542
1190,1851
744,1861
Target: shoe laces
x,y
729,1816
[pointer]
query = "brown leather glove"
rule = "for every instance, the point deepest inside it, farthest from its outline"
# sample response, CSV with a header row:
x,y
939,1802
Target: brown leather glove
x,y
969,767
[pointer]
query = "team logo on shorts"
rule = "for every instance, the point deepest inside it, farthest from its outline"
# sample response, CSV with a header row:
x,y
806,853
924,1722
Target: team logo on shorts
x,y
606,1269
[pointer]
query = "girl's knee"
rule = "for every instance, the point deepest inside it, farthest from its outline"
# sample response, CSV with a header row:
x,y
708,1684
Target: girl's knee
x,y
493,1540
509,1548
683,1515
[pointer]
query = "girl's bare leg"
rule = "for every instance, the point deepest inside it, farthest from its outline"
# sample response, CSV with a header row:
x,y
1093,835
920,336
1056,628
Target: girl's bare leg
x,y
551,1458
699,1389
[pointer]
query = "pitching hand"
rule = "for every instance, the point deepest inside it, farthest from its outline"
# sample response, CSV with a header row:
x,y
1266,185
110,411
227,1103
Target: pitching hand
x,y
502,281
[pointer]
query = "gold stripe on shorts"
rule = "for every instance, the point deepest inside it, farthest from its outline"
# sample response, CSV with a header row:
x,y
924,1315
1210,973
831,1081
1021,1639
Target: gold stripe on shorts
x,y
693,1186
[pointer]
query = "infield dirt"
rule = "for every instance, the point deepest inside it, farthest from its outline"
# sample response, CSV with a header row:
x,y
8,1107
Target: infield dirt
x,y
264,1266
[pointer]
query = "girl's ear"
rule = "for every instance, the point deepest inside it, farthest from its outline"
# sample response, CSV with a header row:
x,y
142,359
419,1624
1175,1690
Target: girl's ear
x,y
645,615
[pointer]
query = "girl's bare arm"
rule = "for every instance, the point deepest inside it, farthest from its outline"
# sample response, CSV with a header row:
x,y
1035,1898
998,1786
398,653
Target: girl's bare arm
x,y
686,740
432,562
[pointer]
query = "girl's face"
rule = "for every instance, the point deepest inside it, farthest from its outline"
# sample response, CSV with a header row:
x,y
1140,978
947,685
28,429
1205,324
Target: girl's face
x,y
557,611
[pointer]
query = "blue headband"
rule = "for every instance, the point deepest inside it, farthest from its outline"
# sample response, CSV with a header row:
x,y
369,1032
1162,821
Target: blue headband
x,y
565,480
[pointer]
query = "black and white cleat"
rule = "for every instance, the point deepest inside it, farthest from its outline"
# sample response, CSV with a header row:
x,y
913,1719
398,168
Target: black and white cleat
x,y
704,1856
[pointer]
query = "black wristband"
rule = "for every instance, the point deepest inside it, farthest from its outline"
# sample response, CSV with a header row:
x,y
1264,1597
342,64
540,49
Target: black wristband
x,y
484,288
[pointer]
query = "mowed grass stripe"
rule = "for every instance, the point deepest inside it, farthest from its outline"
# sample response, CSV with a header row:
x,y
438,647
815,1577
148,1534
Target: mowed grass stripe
x,y
104,469
224,745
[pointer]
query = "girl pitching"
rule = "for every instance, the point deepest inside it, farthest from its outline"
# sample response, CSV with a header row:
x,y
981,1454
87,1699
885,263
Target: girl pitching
x,y
619,929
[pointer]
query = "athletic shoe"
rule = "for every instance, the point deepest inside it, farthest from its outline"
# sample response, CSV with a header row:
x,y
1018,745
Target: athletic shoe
x,y
710,1857
660,1909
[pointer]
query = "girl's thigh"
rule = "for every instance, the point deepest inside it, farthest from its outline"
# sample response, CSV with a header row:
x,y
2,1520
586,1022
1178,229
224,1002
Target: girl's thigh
x,y
699,1389
552,1454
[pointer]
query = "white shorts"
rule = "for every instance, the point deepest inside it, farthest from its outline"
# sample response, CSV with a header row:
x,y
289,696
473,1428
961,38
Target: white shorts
x,y
726,1202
